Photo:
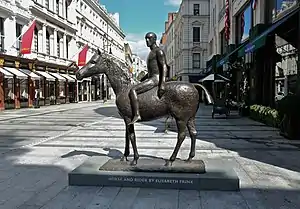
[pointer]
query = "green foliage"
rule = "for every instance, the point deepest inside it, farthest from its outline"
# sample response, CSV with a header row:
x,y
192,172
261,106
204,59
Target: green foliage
x,y
265,115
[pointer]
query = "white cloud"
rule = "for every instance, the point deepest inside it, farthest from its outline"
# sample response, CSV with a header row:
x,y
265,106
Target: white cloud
x,y
138,44
174,3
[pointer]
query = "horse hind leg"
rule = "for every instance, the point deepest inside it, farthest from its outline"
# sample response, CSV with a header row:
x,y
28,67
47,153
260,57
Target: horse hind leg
x,y
193,134
181,127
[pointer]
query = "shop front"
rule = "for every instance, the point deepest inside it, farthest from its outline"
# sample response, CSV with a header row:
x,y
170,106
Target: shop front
x,y
70,88
33,83
59,88
20,87
264,54
6,90
46,88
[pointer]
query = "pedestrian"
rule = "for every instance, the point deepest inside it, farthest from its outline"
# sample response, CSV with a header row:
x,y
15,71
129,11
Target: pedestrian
x,y
36,99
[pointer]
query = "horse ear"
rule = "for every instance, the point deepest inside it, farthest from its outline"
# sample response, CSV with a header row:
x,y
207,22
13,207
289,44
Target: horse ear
x,y
98,51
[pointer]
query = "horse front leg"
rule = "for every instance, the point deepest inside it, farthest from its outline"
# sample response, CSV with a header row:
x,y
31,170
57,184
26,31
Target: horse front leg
x,y
127,150
181,127
133,144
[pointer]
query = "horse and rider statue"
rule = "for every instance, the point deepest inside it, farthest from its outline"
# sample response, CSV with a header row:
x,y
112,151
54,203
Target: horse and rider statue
x,y
150,99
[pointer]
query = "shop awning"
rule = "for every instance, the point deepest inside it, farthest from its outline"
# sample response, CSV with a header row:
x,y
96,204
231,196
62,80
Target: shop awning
x,y
46,75
58,76
69,78
30,74
226,58
6,73
217,78
16,72
260,40
85,79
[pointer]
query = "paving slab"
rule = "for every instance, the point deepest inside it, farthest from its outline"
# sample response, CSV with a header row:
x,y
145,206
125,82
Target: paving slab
x,y
39,149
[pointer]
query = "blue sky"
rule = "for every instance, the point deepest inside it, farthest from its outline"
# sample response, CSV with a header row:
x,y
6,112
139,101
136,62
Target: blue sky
x,y
137,17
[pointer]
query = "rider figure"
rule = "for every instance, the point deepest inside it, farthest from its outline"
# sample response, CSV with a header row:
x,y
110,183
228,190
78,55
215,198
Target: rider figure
x,y
157,69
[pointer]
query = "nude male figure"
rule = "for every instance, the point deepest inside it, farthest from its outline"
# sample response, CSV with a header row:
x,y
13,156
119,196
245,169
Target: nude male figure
x,y
157,69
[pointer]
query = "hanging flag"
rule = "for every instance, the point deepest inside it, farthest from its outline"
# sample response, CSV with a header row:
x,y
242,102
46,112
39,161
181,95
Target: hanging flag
x,y
227,21
26,41
254,4
82,55
242,24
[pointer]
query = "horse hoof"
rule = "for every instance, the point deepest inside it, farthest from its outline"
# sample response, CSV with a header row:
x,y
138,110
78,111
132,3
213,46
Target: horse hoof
x,y
124,158
133,163
189,160
168,163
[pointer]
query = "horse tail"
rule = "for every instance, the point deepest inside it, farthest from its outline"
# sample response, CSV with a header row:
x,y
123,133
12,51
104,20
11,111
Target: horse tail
x,y
200,87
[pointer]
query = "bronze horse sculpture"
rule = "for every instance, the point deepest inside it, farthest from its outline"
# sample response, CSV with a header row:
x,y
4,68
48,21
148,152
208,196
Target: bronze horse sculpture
x,y
180,100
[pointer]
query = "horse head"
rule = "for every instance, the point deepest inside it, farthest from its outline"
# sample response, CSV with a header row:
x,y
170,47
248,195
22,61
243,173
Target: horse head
x,y
96,65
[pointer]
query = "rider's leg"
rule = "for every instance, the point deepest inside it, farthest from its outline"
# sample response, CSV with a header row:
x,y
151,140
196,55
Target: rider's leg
x,y
138,89
135,106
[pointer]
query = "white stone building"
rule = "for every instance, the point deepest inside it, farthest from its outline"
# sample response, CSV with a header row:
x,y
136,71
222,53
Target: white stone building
x,y
169,46
191,28
63,27
138,65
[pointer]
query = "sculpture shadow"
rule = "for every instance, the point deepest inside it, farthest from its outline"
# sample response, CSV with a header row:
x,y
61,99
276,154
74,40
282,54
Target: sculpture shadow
x,y
112,153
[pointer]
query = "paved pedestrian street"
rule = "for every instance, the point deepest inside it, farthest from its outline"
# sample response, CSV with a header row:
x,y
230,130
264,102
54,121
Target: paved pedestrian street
x,y
40,146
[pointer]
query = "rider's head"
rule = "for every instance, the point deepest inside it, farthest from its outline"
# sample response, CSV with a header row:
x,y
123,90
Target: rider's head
x,y
150,39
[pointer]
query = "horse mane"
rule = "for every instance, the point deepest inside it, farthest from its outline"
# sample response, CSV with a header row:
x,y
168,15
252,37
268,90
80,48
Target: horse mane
x,y
122,67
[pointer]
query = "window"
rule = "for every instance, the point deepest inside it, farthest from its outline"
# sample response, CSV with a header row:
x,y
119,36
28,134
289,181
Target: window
x,y
196,9
1,34
57,7
47,43
36,40
281,6
18,33
196,60
58,46
243,25
47,4
196,34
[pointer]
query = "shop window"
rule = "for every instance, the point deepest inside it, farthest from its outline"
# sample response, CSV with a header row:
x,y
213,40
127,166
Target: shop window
x,y
24,92
9,93
62,89
243,25
280,6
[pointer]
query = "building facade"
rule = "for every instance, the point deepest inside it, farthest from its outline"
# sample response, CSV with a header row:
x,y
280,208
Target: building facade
x,y
139,67
169,45
255,29
189,40
129,58
62,28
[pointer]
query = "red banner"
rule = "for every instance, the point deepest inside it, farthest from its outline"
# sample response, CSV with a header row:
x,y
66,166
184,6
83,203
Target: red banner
x,y
82,56
27,39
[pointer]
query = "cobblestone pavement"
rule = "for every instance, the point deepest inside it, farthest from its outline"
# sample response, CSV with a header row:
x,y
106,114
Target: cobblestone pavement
x,y
39,147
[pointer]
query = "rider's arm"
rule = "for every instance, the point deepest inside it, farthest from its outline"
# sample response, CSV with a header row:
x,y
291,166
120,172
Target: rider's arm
x,y
161,58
